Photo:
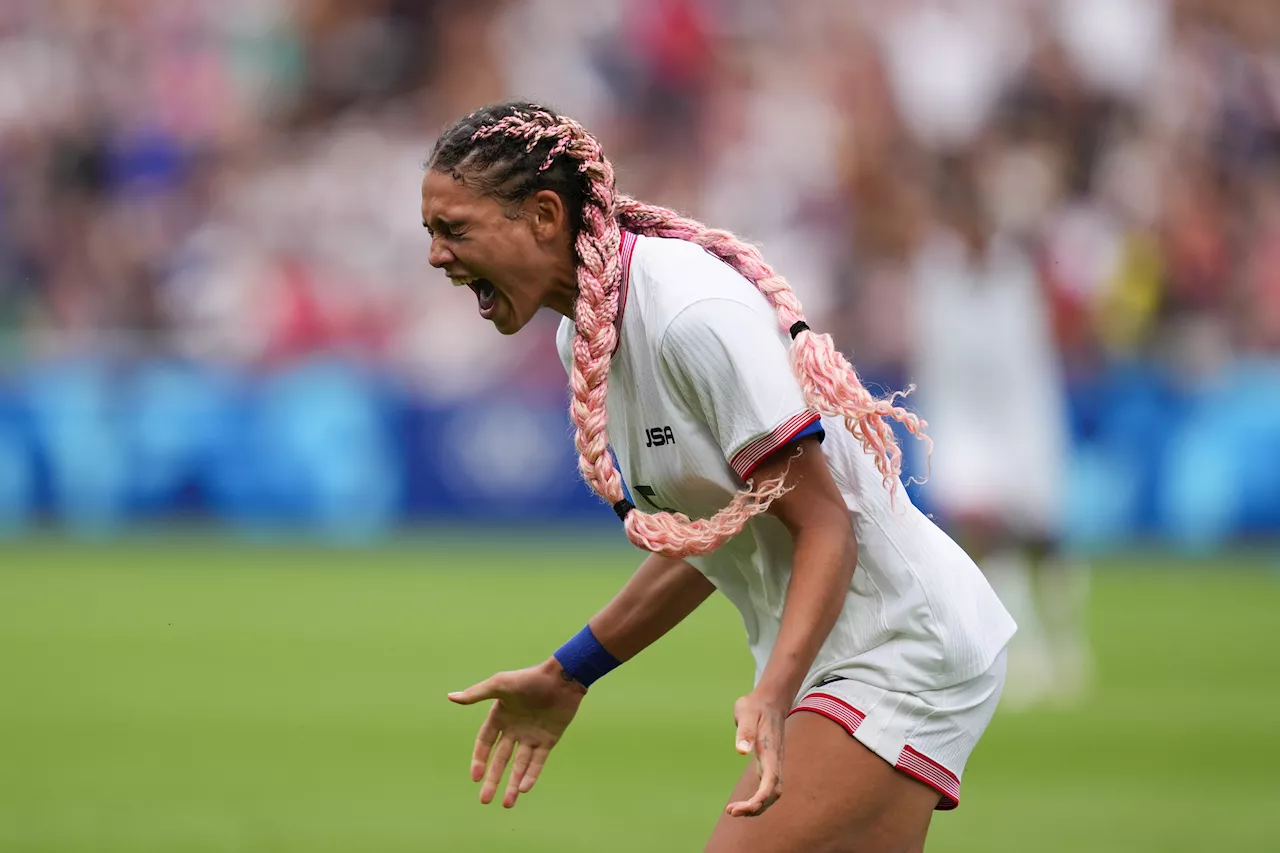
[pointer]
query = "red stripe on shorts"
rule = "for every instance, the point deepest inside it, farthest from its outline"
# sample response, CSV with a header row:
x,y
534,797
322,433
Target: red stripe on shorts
x,y
832,708
933,774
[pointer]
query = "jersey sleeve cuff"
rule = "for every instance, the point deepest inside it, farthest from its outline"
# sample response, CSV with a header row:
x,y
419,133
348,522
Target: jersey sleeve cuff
x,y
746,460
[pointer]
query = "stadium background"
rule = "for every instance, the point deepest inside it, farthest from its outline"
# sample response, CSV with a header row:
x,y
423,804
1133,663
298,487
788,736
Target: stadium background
x,y
269,488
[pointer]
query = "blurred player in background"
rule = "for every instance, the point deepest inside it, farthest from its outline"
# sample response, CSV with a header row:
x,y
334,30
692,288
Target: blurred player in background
x,y
991,383
768,472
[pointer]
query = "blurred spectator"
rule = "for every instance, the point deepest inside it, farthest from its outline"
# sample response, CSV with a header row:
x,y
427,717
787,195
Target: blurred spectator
x,y
238,180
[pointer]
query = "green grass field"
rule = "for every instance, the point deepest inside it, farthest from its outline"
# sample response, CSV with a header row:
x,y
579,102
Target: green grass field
x,y
196,695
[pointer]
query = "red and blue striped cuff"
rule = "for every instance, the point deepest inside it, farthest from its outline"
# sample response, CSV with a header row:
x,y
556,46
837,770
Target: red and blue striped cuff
x,y
746,460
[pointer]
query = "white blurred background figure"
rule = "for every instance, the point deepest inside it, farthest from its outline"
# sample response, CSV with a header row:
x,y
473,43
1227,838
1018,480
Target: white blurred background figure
x,y
991,387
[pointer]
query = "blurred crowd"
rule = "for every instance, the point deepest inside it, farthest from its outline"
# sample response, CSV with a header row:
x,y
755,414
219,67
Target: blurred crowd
x,y
237,180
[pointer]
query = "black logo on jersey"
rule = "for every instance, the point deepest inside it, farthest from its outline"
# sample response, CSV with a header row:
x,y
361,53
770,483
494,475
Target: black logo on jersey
x,y
658,436
649,494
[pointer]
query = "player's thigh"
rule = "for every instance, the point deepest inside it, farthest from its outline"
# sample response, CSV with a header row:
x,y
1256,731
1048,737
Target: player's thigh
x,y
837,797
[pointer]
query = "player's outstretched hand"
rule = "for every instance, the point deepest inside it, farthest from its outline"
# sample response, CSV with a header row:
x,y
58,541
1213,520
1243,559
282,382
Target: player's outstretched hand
x,y
534,706
760,721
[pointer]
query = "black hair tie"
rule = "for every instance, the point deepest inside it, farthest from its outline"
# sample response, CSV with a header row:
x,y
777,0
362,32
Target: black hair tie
x,y
623,507
799,327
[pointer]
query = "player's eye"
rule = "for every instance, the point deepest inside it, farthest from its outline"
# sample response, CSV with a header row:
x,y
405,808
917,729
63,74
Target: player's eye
x,y
449,232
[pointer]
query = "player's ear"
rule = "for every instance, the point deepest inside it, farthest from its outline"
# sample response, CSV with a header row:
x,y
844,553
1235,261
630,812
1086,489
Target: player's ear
x,y
548,216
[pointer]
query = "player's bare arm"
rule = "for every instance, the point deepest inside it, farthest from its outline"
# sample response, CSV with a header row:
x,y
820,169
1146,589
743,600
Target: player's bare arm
x,y
826,553
661,593
535,705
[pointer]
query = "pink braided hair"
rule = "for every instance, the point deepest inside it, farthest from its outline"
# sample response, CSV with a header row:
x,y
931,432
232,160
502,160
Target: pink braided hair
x,y
830,384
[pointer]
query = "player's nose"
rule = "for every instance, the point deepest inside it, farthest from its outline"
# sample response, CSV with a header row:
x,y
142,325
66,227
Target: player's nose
x,y
439,255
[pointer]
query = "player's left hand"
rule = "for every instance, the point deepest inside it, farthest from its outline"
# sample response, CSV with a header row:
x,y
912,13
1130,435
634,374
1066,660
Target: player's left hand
x,y
760,721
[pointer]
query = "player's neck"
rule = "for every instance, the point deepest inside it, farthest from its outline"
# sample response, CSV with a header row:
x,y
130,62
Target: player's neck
x,y
562,295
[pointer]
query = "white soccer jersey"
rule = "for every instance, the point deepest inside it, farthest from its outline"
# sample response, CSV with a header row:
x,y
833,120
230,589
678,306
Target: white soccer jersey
x,y
700,392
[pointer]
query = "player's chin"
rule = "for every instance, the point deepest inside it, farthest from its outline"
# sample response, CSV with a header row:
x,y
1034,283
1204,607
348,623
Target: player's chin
x,y
506,319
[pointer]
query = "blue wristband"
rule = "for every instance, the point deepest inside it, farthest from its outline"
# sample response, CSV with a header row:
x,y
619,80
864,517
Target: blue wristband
x,y
585,660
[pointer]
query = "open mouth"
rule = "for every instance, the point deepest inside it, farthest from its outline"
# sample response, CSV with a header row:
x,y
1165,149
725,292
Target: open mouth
x,y
485,292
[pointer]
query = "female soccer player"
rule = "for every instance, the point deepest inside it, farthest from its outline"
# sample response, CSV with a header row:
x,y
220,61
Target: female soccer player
x,y
879,647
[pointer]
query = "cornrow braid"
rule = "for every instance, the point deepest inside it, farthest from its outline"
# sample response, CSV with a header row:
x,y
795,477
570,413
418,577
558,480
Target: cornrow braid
x,y
515,149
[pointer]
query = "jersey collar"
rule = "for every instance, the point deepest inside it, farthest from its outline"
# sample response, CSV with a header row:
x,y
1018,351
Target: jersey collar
x,y
627,250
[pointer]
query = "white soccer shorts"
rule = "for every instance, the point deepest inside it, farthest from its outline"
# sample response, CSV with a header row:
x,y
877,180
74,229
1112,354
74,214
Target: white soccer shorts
x,y
928,735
